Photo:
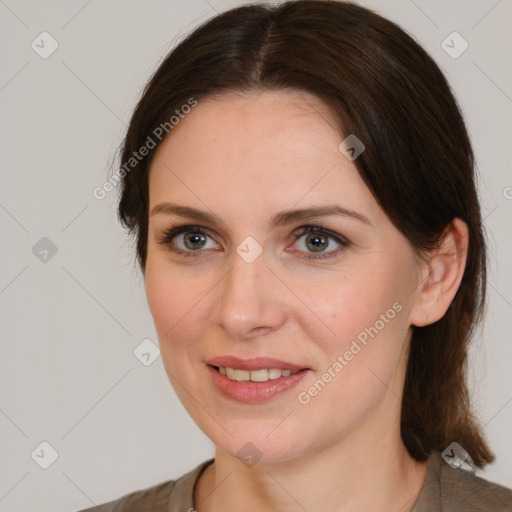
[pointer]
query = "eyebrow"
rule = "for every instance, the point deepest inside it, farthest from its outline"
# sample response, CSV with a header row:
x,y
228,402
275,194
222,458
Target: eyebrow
x,y
279,219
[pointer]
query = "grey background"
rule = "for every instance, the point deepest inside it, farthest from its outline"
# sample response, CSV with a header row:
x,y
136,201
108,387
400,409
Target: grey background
x,y
69,325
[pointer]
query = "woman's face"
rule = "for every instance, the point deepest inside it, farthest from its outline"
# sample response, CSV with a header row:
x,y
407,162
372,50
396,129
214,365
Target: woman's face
x,y
248,281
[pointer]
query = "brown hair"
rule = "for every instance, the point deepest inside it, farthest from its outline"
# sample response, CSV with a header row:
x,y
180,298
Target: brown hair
x,y
383,87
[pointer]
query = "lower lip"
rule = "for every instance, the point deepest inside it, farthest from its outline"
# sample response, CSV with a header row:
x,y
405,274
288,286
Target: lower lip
x,y
254,392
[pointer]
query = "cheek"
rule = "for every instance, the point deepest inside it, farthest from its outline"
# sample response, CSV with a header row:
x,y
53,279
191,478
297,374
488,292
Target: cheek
x,y
361,315
359,361
162,299
175,304
347,302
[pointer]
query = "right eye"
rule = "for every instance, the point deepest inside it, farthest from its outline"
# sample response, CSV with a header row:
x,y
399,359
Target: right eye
x,y
186,240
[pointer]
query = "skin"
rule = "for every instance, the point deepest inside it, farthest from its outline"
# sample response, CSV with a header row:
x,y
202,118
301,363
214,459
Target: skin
x,y
245,158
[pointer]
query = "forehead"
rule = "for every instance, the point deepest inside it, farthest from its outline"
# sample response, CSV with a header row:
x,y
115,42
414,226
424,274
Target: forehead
x,y
256,149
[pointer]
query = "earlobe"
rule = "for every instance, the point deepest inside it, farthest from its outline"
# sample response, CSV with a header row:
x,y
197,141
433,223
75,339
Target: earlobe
x,y
442,275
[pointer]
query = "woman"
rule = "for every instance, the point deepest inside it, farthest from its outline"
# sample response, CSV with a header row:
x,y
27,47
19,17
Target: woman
x,y
300,184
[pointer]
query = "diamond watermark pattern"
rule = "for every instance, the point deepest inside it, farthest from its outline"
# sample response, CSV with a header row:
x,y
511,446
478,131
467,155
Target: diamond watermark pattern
x,y
456,457
249,454
454,45
44,45
44,250
249,249
351,147
146,352
44,455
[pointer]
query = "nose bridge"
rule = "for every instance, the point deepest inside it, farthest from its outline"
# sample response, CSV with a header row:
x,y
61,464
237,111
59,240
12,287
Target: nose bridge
x,y
248,299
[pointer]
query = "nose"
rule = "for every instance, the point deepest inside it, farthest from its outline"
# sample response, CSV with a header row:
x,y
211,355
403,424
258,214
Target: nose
x,y
249,299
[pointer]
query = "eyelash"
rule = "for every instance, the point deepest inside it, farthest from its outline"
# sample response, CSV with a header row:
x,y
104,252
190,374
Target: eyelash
x,y
167,237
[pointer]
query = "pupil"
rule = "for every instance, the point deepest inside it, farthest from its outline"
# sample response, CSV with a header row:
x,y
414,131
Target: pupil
x,y
318,242
191,240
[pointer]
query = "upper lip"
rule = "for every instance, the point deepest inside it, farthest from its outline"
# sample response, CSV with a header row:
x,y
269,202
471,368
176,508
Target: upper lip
x,y
256,363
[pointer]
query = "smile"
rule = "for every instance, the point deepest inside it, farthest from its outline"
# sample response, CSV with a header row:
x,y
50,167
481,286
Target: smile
x,y
261,375
253,381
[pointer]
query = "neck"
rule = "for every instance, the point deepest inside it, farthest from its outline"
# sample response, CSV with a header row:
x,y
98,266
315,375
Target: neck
x,y
353,475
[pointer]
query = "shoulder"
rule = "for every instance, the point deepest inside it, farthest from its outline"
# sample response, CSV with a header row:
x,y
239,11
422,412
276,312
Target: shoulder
x,y
463,490
155,498
457,490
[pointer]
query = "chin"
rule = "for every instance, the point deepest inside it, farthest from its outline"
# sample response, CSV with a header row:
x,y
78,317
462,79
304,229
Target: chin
x,y
252,444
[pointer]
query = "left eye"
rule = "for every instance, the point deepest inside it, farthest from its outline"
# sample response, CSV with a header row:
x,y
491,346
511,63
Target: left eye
x,y
315,240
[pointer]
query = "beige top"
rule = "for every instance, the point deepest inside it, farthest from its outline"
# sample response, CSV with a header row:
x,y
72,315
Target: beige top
x,y
445,490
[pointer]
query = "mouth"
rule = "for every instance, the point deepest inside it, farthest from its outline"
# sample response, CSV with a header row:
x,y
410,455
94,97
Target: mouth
x,y
254,380
260,375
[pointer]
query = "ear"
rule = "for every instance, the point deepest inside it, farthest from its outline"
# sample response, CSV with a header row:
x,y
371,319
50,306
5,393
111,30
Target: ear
x,y
441,275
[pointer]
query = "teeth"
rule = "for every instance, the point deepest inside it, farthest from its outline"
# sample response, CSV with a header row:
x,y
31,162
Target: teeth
x,y
274,373
255,375
242,375
259,376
